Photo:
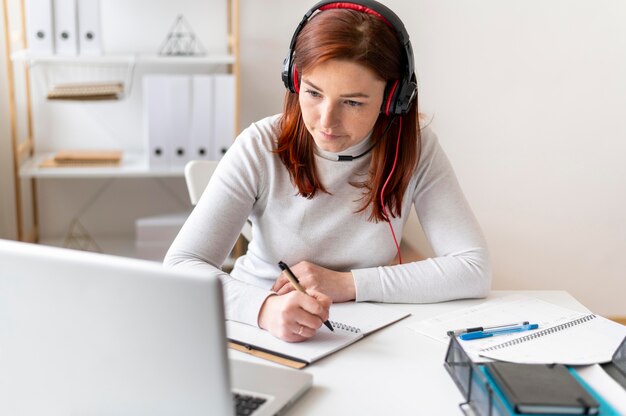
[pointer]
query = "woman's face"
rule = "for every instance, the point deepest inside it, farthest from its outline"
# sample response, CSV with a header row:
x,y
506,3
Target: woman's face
x,y
340,102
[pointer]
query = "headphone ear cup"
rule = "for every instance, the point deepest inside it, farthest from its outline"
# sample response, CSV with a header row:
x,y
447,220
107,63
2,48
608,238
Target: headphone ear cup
x,y
285,73
399,97
405,95
290,76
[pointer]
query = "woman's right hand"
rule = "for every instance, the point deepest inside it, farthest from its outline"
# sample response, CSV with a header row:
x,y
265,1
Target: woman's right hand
x,y
294,316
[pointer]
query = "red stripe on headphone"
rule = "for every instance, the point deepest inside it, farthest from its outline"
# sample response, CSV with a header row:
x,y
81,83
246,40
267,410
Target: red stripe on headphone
x,y
358,8
390,96
296,81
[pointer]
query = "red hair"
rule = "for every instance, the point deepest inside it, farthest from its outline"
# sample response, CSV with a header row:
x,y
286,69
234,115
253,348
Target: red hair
x,y
367,40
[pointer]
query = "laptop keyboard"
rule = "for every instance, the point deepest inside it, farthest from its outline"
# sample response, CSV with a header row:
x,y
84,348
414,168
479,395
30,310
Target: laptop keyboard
x,y
246,404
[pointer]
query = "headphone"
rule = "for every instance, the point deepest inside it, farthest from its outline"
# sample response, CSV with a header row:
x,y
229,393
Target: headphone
x,y
399,94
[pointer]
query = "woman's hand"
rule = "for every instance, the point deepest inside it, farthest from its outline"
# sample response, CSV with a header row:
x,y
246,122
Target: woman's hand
x,y
294,316
338,285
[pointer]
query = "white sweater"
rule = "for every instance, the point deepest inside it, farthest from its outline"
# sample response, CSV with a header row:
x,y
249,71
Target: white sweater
x,y
251,182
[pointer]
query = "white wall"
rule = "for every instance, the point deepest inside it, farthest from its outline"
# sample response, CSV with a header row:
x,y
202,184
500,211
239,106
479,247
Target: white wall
x,y
526,98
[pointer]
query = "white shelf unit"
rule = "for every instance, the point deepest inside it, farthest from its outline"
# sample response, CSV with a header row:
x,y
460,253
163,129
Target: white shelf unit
x,y
138,58
132,165
27,159
119,67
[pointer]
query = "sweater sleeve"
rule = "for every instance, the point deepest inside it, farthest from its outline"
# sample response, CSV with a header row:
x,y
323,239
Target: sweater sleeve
x,y
460,267
210,232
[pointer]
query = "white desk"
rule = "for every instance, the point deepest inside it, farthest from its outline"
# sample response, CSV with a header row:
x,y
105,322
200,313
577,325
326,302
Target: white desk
x,y
393,371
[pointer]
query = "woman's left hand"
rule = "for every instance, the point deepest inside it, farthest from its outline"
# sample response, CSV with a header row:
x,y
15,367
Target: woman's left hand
x,y
339,286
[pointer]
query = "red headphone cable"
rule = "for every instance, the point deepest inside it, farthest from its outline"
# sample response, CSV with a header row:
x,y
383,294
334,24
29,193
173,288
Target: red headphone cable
x,y
382,192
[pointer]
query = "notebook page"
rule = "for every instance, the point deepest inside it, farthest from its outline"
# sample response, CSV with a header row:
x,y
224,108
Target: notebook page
x,y
590,342
363,317
366,317
322,344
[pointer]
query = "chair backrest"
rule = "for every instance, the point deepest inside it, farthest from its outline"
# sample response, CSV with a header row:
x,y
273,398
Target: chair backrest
x,y
197,176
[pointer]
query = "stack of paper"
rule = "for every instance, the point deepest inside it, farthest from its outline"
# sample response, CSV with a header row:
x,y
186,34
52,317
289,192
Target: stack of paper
x,y
87,91
83,158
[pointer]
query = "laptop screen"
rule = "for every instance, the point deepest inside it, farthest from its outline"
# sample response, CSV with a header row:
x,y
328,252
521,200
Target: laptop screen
x,y
91,334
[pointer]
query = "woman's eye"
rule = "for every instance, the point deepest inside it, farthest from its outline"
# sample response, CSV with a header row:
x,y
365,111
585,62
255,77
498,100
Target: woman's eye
x,y
353,103
313,93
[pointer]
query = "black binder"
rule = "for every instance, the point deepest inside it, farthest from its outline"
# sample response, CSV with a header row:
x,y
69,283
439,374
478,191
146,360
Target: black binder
x,y
542,388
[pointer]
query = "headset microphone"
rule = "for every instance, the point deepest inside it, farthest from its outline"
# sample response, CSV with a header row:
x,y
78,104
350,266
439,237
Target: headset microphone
x,y
348,158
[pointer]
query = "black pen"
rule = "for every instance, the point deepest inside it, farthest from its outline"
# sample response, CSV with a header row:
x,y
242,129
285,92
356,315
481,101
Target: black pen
x,y
294,281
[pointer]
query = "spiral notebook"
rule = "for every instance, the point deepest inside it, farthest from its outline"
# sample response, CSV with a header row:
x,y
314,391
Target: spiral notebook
x,y
588,339
352,321
565,336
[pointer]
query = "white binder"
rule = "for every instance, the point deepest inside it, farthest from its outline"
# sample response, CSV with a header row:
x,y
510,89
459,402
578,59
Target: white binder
x,y
65,27
155,118
201,117
39,31
167,115
224,114
89,30
179,111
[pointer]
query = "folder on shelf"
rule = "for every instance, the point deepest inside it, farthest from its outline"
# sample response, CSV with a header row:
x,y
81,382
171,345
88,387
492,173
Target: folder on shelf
x,y
39,33
65,27
179,112
167,115
155,130
83,158
87,91
224,114
89,29
201,118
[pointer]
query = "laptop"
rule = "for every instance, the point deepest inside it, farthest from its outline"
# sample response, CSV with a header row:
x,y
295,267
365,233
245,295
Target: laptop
x,y
93,334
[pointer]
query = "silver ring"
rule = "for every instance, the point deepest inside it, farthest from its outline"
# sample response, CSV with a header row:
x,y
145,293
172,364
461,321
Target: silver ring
x,y
300,330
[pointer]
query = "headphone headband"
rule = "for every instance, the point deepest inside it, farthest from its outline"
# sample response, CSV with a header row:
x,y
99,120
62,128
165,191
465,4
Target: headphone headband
x,y
401,96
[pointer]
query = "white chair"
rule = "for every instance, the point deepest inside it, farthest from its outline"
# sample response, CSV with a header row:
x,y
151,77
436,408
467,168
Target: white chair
x,y
197,175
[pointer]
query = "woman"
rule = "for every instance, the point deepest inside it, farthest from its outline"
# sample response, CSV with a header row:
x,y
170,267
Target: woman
x,y
328,186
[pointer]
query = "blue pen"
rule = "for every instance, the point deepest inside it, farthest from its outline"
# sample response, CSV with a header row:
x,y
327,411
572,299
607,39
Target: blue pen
x,y
486,334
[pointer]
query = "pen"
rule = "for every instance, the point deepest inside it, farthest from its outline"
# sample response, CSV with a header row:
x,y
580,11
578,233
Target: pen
x,y
294,281
458,332
485,334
